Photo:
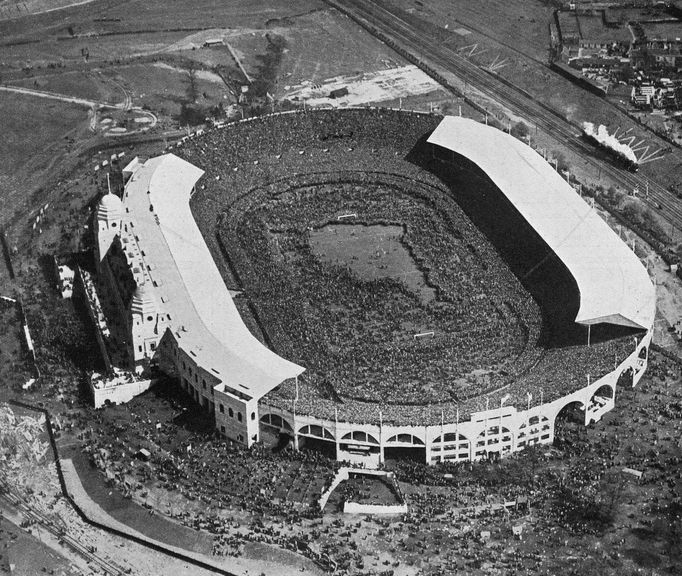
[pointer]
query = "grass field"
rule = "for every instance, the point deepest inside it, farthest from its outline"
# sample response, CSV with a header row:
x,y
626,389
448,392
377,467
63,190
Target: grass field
x,y
371,252
522,24
327,32
34,133
81,84
163,88
14,364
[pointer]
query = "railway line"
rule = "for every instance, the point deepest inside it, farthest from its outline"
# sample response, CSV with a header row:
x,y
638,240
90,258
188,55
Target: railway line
x,y
57,527
426,48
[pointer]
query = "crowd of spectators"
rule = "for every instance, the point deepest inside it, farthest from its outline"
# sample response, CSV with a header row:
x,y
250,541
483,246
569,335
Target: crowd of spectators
x,y
358,334
270,180
250,495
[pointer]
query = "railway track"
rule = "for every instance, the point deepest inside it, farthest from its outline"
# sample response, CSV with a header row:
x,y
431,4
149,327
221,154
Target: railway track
x,y
32,515
426,48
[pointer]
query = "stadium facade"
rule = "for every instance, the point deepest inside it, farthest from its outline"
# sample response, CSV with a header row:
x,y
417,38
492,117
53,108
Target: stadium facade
x,y
178,314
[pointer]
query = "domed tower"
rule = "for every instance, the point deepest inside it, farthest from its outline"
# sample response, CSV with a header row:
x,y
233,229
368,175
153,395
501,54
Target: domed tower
x,y
107,223
146,325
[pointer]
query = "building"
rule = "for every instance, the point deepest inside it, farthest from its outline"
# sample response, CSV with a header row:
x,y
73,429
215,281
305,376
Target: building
x,y
176,312
173,308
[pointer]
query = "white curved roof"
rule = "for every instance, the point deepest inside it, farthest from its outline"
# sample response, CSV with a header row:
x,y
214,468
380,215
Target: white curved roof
x,y
187,284
614,285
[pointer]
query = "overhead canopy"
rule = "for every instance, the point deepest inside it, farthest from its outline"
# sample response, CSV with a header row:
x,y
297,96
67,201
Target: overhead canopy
x,y
614,285
187,284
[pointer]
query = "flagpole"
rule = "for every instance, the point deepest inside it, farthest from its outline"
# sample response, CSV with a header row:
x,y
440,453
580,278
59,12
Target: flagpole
x,y
381,437
485,432
442,436
457,431
502,401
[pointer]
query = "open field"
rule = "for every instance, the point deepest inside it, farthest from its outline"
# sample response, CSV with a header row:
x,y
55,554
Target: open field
x,y
371,252
81,84
163,88
97,51
520,24
15,9
327,32
30,123
36,132
15,368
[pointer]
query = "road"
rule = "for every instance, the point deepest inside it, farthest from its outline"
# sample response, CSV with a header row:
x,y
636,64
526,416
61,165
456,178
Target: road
x,y
54,96
382,20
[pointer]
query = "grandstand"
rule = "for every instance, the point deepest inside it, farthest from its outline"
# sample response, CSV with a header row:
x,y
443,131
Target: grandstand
x,y
525,319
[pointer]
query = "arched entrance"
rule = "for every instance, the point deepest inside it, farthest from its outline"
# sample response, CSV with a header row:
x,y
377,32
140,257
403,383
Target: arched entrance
x,y
600,403
359,446
641,359
625,381
405,447
275,431
569,425
318,438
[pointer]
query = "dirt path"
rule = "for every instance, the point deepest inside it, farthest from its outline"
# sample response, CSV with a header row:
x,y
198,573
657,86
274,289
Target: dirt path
x,y
28,11
61,97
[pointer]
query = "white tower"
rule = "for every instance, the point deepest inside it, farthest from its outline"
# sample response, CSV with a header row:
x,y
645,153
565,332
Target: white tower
x,y
107,223
146,325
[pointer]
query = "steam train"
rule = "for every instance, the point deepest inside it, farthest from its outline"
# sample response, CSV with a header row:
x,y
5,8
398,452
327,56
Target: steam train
x,y
616,156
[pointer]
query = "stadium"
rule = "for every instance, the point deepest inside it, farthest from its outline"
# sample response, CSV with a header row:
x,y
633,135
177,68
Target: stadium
x,y
374,284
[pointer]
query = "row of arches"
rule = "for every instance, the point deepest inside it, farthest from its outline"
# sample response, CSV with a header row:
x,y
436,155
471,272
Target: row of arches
x,y
497,438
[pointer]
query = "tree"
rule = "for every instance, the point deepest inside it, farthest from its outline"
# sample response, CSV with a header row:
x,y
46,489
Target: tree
x,y
192,82
520,130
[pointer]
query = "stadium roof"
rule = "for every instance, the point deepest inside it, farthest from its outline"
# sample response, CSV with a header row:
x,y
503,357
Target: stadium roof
x,y
614,285
187,284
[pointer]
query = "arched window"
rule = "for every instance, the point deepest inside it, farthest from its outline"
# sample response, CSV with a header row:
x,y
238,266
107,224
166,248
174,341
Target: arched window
x,y
230,412
239,416
406,439
360,436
